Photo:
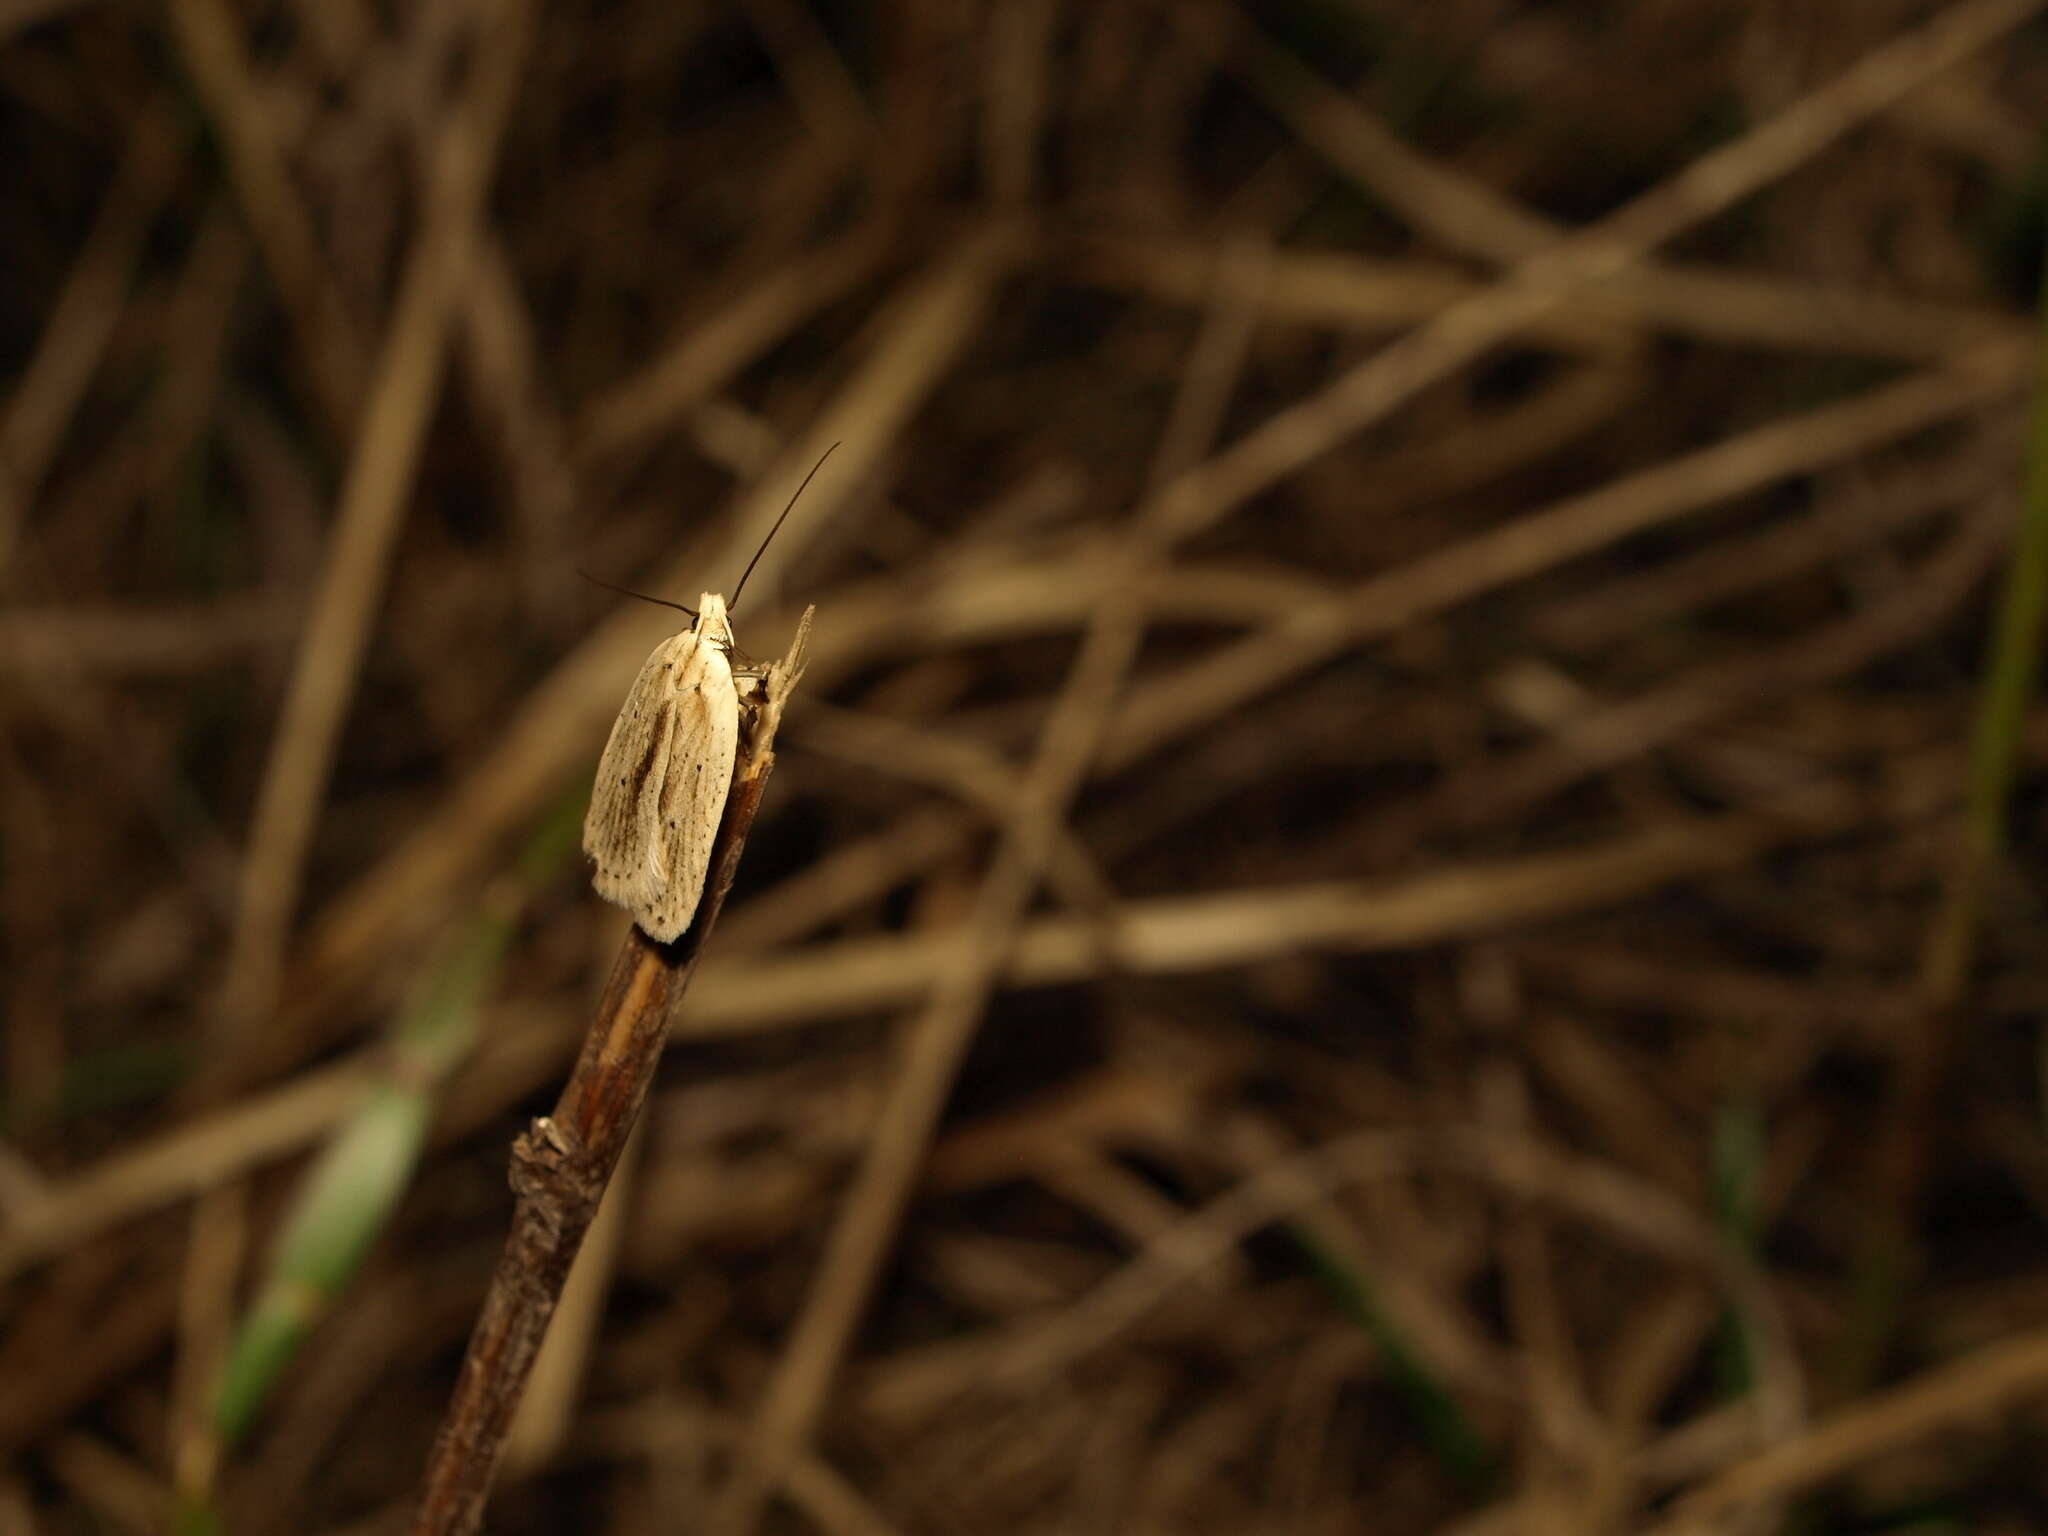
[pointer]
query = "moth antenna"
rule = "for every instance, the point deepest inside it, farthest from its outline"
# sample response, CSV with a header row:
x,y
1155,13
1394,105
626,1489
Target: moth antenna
x,y
733,606
629,592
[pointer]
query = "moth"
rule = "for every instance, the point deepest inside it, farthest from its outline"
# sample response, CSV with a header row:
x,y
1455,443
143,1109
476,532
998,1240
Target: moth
x,y
662,782
667,766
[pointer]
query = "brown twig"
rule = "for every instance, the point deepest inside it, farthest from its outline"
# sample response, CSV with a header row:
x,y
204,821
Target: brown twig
x,y
563,1162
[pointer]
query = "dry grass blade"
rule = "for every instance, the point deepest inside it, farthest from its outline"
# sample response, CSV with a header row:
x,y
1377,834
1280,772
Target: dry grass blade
x,y
708,354
181,1165
330,351
1509,741
1340,289
967,978
1543,281
1173,706
373,501
1605,735
74,338
1635,1212
1187,935
1980,1386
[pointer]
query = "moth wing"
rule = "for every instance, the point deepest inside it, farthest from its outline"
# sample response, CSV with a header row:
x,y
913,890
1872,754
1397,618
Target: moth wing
x,y
621,828
692,800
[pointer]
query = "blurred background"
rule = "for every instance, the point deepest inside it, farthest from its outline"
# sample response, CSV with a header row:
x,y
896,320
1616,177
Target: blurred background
x,y
1403,895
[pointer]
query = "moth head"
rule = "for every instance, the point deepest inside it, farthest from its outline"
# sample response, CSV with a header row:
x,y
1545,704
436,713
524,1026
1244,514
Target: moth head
x,y
712,622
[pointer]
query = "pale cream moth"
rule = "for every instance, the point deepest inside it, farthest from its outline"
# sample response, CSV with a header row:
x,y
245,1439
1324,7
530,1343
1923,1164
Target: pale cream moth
x,y
667,766
662,781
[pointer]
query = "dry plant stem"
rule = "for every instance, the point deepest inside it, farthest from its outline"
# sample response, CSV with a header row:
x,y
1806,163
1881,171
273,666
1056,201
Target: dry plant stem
x,y
1641,1214
45,394
211,44
554,1388
1949,954
1607,735
374,500
938,1040
968,977
1171,707
206,1305
1994,1380
560,1168
1159,937
940,315
561,1165
1466,215
1365,294
1546,281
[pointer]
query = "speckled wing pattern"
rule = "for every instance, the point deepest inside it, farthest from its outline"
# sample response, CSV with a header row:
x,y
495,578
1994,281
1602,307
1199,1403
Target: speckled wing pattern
x,y
662,782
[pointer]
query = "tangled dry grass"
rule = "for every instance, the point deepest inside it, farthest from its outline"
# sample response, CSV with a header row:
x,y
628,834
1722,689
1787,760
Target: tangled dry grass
x,y
1349,935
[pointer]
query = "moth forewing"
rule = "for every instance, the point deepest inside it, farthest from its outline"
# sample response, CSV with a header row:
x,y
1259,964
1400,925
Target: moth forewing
x,y
662,782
